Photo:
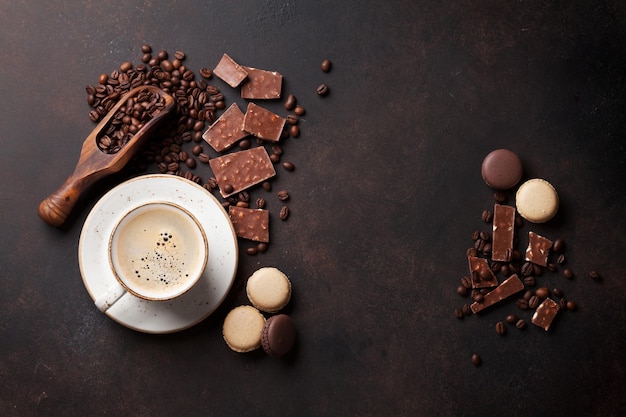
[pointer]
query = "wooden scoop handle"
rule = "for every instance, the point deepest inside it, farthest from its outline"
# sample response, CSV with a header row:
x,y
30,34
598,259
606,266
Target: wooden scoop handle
x,y
55,209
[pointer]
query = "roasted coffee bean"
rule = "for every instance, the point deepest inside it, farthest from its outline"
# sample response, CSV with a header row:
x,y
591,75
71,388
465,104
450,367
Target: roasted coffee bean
x,y
294,131
289,166
197,150
522,304
479,245
519,222
487,216
244,144
529,281
570,305
458,312
500,328
521,324
466,282
292,119
558,246
533,302
283,195
478,298
561,259
516,255
277,149
505,271
260,202
542,292
179,55
557,292
243,204
204,157
537,270
511,319
552,267
206,73
568,274
251,251
322,90
211,183
499,197
527,294
594,275
462,291
485,236
467,309
275,158
527,269
190,162
563,303
284,213
326,65
261,247
475,235
267,186
299,110
290,102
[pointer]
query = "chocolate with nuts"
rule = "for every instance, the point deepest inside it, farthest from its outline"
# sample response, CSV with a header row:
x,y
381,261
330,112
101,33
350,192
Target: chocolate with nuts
x,y
240,170
503,232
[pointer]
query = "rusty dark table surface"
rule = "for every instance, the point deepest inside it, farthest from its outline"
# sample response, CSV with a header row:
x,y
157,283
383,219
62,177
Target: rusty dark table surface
x,y
384,199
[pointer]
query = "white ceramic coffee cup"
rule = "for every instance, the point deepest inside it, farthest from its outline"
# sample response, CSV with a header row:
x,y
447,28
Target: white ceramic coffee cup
x,y
157,251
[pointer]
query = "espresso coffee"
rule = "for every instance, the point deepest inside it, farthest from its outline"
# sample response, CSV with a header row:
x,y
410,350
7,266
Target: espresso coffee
x,y
158,251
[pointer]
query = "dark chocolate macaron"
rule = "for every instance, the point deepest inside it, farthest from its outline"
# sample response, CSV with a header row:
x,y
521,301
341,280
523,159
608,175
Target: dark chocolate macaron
x,y
279,335
502,169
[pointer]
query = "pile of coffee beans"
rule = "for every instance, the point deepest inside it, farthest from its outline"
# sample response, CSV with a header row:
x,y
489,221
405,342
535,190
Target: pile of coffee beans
x,y
178,148
129,119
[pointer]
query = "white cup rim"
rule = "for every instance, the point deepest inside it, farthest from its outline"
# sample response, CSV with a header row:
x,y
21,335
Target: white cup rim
x,y
197,273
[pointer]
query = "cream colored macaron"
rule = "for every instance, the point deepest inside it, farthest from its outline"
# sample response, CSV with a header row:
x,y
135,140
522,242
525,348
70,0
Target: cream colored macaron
x,y
268,289
243,328
537,201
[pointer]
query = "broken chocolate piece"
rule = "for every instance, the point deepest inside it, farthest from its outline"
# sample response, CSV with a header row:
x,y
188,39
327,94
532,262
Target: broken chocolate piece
x,y
238,171
510,286
261,84
250,224
545,313
226,130
538,249
503,231
262,123
482,276
230,72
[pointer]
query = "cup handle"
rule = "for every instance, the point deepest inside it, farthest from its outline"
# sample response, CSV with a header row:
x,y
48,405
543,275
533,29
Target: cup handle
x,y
110,297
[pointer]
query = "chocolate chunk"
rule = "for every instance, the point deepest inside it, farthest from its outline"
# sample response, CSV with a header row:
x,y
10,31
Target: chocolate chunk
x,y
481,273
545,313
262,123
230,72
510,286
226,130
250,224
538,249
238,171
261,84
503,231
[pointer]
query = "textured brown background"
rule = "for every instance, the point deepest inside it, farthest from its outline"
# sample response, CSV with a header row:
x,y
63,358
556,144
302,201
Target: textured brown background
x,y
385,196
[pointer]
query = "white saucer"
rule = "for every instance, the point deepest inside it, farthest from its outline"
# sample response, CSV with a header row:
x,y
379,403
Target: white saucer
x,y
193,306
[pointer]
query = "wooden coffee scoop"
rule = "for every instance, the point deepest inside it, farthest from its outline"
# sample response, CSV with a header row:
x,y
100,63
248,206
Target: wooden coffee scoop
x,y
95,164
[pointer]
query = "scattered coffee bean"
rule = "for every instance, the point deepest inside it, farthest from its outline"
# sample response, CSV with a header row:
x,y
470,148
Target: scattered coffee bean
x,y
289,166
322,90
521,324
487,216
466,282
527,269
542,292
533,302
467,309
251,251
522,304
462,291
561,259
499,197
557,292
459,313
527,294
284,213
283,195
567,273
261,247
290,102
206,73
511,319
294,131
594,275
500,328
299,110
558,246
326,65
552,267
260,202
478,298
571,306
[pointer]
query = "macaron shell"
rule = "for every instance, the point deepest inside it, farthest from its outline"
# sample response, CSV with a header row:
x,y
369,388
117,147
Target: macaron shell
x,y
279,335
242,329
268,289
537,201
502,169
